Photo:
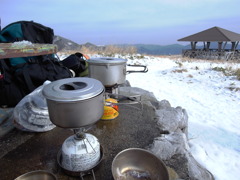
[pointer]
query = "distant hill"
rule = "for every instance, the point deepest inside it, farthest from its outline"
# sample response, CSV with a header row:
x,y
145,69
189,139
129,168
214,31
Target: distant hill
x,y
173,49
64,44
159,49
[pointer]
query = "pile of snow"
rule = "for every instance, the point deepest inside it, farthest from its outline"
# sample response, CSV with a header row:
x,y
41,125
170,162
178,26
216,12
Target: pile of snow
x,y
213,109
23,43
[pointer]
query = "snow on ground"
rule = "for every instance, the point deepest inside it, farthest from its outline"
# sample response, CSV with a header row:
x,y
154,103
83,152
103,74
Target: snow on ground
x,y
213,109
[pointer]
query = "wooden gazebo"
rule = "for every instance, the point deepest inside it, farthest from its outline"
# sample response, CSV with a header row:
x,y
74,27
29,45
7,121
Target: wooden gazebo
x,y
215,34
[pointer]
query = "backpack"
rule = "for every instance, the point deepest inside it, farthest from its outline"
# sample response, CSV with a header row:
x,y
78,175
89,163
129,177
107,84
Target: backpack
x,y
20,76
77,62
26,30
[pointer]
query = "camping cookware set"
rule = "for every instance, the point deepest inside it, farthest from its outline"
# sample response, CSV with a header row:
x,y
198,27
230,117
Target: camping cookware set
x,y
78,103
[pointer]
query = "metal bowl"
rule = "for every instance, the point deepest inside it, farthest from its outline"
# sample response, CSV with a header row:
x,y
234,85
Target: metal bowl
x,y
37,175
136,163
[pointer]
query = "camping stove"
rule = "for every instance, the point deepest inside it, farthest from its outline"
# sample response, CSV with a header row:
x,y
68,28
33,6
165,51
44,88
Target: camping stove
x,y
77,104
80,154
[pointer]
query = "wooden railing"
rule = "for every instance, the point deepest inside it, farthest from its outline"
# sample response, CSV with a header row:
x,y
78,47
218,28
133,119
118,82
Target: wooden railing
x,y
11,50
212,54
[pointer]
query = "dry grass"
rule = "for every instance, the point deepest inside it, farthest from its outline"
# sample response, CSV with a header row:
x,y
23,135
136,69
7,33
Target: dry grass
x,y
187,59
109,50
237,73
233,88
179,70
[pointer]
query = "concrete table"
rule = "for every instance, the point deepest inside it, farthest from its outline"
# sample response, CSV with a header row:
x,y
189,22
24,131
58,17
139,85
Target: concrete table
x,y
22,152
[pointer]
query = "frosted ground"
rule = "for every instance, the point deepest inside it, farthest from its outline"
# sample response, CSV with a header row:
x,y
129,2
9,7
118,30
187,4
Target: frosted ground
x,y
212,101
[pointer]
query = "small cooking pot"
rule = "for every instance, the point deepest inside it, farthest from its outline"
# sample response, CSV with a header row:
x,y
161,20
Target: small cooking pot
x,y
137,163
110,71
74,102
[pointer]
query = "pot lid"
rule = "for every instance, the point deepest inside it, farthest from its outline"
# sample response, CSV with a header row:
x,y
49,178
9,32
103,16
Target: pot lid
x,y
107,60
72,89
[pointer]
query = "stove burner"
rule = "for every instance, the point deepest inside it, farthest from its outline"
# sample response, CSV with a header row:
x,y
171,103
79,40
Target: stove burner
x,y
112,89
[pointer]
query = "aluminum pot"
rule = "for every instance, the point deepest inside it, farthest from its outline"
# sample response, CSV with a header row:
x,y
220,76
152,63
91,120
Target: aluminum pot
x,y
110,71
137,163
74,102
37,175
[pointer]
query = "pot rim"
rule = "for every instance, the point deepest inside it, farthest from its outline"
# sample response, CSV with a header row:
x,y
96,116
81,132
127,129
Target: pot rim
x,y
107,60
73,89
23,176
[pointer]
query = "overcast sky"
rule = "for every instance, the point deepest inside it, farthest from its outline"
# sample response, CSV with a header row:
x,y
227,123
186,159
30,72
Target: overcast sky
x,y
104,22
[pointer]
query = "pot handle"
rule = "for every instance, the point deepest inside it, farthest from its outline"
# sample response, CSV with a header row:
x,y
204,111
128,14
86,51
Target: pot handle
x,y
135,99
142,71
92,173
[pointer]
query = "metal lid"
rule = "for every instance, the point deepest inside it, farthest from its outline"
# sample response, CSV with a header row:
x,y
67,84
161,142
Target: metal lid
x,y
107,60
73,89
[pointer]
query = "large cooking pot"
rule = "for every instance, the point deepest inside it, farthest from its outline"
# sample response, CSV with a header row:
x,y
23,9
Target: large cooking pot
x,y
137,163
110,71
74,102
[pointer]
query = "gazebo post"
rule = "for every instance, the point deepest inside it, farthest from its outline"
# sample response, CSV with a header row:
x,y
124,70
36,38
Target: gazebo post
x,y
219,53
193,45
233,46
237,54
219,46
208,45
224,46
236,45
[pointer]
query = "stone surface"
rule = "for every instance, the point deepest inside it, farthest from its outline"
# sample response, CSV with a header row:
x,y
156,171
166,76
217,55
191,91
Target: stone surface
x,y
6,124
26,151
137,126
172,119
172,143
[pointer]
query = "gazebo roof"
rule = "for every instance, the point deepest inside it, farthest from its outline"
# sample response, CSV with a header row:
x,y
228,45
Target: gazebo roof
x,y
215,34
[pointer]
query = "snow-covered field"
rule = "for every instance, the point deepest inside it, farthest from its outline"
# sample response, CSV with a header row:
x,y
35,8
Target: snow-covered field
x,y
213,109
212,101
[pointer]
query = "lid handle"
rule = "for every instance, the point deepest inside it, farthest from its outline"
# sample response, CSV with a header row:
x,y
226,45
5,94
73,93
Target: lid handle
x,y
73,86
